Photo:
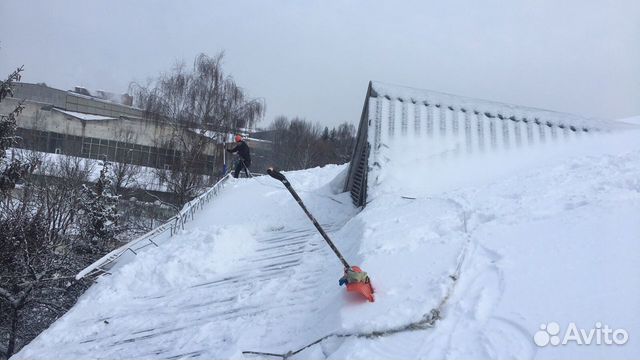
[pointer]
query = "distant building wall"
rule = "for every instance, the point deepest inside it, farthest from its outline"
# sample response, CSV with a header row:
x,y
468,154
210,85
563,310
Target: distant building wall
x,y
123,139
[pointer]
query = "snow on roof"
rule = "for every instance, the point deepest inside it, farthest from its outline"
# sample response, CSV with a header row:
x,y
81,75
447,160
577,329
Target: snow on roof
x,y
492,108
258,140
492,259
424,129
83,116
631,120
106,101
218,136
228,137
208,133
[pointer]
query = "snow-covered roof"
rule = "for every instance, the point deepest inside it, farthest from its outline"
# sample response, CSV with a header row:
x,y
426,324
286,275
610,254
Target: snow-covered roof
x,y
98,99
436,130
631,120
215,135
258,140
227,137
491,108
83,116
489,264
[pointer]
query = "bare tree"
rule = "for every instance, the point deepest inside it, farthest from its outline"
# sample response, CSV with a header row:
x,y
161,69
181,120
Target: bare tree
x,y
35,265
43,237
58,192
300,144
42,246
193,101
303,142
343,140
36,276
22,266
124,174
280,143
204,97
184,175
10,171
218,103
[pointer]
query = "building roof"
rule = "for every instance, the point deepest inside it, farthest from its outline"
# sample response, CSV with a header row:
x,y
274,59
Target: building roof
x,y
73,101
399,120
487,107
83,116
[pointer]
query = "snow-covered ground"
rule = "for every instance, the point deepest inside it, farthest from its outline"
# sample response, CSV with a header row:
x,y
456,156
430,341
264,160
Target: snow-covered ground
x,y
500,244
141,177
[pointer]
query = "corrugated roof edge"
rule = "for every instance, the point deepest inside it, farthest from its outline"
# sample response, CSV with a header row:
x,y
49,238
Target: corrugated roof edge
x,y
493,108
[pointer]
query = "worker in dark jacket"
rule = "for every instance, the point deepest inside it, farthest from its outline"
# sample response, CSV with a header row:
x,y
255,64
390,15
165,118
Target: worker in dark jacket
x,y
242,149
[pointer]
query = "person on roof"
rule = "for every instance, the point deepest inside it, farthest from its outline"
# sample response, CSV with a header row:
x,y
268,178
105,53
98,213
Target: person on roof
x,y
244,154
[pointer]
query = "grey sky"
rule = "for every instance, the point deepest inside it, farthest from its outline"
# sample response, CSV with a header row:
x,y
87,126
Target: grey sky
x,y
314,58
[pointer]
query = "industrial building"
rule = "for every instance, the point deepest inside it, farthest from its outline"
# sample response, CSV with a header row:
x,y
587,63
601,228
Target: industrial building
x,y
96,126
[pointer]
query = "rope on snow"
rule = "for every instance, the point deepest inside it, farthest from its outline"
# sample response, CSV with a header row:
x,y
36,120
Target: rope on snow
x,y
428,320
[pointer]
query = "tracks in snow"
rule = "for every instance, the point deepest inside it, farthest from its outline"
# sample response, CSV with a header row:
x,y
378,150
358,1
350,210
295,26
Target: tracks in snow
x,y
470,318
266,281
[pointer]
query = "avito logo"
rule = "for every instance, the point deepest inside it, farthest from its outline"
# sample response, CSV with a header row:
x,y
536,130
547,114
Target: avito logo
x,y
550,334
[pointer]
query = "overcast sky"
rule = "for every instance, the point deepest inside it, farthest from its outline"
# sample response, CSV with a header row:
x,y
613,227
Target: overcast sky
x,y
314,58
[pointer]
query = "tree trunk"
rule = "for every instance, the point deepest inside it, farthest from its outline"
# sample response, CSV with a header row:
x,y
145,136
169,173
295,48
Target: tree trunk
x,y
12,333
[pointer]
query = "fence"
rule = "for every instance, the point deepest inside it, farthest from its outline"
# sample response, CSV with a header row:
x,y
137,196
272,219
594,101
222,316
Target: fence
x,y
170,227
